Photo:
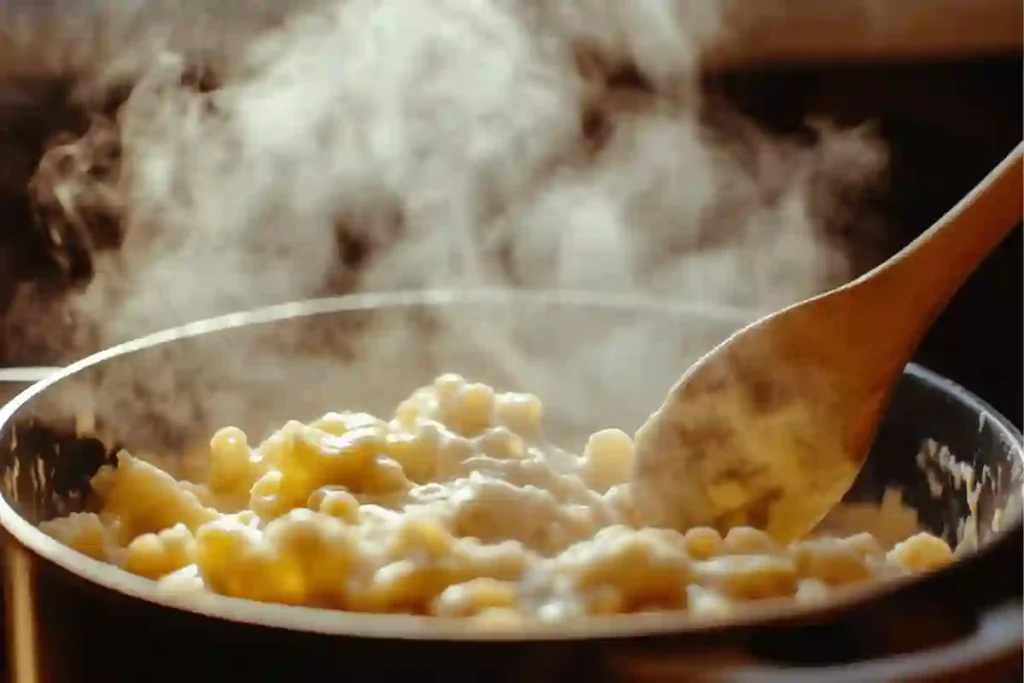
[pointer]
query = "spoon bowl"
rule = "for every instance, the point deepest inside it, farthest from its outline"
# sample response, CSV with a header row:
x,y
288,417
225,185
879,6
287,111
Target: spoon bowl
x,y
771,427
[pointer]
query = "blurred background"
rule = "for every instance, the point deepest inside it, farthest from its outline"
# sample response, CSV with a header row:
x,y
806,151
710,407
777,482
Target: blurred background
x,y
943,89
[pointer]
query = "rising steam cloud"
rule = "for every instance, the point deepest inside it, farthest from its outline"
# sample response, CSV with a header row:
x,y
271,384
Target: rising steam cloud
x,y
460,143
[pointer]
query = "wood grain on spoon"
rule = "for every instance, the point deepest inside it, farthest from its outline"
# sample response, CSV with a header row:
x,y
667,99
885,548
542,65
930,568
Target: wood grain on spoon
x,y
771,427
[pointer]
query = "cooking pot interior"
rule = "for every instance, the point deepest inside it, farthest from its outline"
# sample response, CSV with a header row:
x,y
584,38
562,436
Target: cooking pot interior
x,y
595,364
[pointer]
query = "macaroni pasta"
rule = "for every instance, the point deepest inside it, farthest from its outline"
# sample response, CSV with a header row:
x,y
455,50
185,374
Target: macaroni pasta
x,y
455,507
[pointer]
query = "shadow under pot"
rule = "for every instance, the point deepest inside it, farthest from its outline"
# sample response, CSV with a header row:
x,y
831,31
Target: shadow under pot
x,y
71,618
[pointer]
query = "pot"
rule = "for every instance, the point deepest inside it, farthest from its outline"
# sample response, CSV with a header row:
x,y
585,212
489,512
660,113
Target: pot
x,y
597,361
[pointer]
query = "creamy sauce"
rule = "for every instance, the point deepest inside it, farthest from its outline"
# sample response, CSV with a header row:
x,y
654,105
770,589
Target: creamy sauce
x,y
457,506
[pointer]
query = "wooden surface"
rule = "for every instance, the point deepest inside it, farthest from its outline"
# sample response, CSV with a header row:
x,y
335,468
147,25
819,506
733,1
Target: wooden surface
x,y
815,31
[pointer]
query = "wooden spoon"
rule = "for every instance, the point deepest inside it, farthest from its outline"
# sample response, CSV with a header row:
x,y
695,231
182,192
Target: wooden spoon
x,y
771,427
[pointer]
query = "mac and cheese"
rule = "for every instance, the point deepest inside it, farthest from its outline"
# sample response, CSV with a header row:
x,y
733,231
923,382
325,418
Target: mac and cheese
x,y
455,507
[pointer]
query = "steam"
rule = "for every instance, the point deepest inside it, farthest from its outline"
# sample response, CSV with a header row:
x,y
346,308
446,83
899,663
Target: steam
x,y
460,143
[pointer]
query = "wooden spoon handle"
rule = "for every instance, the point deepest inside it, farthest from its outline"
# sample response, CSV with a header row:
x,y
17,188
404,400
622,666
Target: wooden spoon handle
x,y
931,269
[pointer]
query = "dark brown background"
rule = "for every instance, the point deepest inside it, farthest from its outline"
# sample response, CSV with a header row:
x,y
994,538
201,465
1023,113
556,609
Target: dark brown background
x,y
946,125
